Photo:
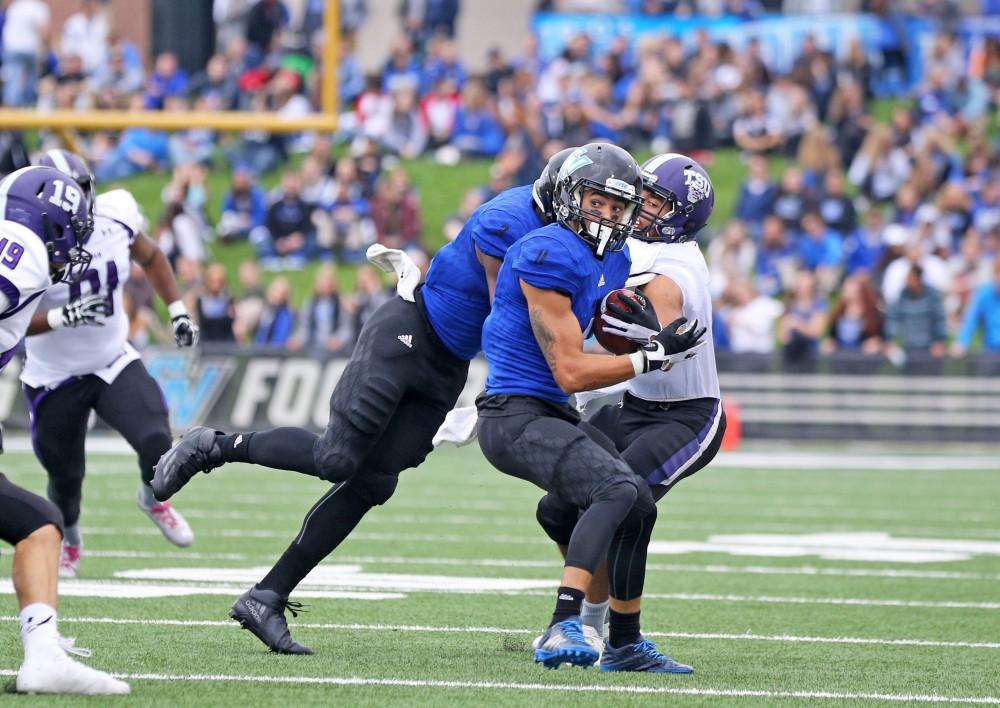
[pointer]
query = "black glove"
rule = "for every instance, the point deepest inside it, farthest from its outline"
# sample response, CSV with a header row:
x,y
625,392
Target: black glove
x,y
85,311
660,352
185,331
636,320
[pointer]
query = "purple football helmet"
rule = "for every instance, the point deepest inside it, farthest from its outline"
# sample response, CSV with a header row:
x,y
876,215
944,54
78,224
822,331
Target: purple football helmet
x,y
53,206
69,163
688,194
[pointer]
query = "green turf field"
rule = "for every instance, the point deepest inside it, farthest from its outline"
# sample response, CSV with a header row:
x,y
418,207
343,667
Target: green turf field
x,y
448,583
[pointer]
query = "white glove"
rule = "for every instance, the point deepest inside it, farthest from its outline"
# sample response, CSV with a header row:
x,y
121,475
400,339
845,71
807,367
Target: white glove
x,y
186,332
393,260
82,311
670,345
459,427
629,330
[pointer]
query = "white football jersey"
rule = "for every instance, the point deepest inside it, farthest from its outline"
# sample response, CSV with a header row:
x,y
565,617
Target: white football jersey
x,y
24,277
55,356
685,265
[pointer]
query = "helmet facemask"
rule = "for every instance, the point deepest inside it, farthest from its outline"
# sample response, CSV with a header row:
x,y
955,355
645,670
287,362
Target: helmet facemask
x,y
605,235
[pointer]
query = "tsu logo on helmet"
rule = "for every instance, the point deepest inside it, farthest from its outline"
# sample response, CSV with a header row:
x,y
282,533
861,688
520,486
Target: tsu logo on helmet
x,y
699,187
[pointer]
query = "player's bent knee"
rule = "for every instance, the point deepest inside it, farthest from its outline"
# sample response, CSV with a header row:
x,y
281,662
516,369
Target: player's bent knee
x,y
376,489
621,488
47,535
557,519
334,463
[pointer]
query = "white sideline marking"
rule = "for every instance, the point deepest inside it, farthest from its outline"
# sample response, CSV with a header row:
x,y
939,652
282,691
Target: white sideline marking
x,y
491,685
113,589
688,568
778,599
712,636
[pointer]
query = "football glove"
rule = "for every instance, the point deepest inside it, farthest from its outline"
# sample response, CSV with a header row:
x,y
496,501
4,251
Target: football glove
x,y
669,346
185,331
82,311
636,321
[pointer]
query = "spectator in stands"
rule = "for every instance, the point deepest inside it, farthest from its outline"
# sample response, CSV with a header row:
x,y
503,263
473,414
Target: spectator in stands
x,y
250,304
323,322
879,169
731,255
477,131
916,321
443,63
793,199
138,150
856,323
898,272
277,320
144,325
195,145
423,19
969,269
754,130
118,78
439,110
864,247
244,208
757,195
983,312
26,33
776,261
352,228
750,318
402,65
168,79
804,321
290,238
396,212
85,34
370,294
835,207
264,21
214,306
182,231
217,81
65,88
405,134
819,250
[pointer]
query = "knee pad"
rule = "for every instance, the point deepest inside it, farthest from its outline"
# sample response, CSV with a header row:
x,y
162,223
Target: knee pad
x,y
557,519
376,489
622,486
333,462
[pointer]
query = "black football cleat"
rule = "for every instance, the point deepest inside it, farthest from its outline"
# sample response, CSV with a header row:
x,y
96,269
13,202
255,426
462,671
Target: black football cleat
x,y
263,613
198,451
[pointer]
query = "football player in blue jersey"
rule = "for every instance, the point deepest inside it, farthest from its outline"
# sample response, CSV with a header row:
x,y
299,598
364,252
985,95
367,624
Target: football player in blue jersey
x,y
407,370
547,292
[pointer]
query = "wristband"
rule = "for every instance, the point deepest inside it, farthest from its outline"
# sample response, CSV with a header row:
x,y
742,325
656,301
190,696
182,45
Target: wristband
x,y
638,360
55,318
177,309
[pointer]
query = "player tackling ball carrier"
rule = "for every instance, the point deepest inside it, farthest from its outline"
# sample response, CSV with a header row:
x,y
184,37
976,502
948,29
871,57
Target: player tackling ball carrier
x,y
547,292
44,223
407,370
79,360
668,424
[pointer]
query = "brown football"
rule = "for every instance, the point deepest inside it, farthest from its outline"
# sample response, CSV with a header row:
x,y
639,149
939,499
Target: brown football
x,y
614,343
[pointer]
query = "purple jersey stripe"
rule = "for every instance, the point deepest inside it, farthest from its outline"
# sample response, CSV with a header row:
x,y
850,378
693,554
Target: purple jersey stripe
x,y
11,292
688,452
7,356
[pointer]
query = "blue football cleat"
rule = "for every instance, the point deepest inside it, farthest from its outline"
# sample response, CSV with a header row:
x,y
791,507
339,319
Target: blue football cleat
x,y
564,643
641,656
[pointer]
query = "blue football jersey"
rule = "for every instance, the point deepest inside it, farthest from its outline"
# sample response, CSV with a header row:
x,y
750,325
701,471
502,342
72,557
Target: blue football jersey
x,y
551,258
455,293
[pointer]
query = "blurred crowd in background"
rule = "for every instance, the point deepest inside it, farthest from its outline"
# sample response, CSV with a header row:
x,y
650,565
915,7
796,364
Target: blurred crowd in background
x,y
850,231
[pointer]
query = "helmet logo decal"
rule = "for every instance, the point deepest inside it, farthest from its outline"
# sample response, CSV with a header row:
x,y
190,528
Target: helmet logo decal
x,y
698,186
574,162
620,186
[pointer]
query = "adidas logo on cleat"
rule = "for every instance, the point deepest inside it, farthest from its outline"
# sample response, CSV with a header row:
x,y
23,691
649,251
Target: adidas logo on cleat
x,y
406,339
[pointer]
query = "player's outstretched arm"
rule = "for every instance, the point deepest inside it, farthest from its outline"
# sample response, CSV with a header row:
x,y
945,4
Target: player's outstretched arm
x,y
561,341
161,277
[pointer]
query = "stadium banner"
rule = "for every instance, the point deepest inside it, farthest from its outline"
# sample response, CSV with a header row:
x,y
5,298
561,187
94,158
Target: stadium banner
x,y
842,397
780,36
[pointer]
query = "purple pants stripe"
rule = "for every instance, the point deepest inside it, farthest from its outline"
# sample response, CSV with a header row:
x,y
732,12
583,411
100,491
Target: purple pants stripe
x,y
683,458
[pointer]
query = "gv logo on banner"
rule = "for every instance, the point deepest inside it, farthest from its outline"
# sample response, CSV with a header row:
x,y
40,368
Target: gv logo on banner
x,y
191,384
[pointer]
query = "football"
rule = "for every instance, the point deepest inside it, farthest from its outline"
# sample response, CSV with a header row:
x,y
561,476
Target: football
x,y
614,343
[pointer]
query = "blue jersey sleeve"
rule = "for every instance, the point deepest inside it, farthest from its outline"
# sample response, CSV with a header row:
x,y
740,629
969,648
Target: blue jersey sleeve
x,y
492,233
545,263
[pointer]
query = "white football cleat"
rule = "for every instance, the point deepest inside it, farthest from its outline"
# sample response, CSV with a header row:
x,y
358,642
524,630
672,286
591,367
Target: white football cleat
x,y
69,561
590,634
174,526
54,672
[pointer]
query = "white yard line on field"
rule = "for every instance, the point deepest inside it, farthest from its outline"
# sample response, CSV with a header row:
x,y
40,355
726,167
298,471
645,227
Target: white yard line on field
x,y
807,570
786,600
710,636
564,688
